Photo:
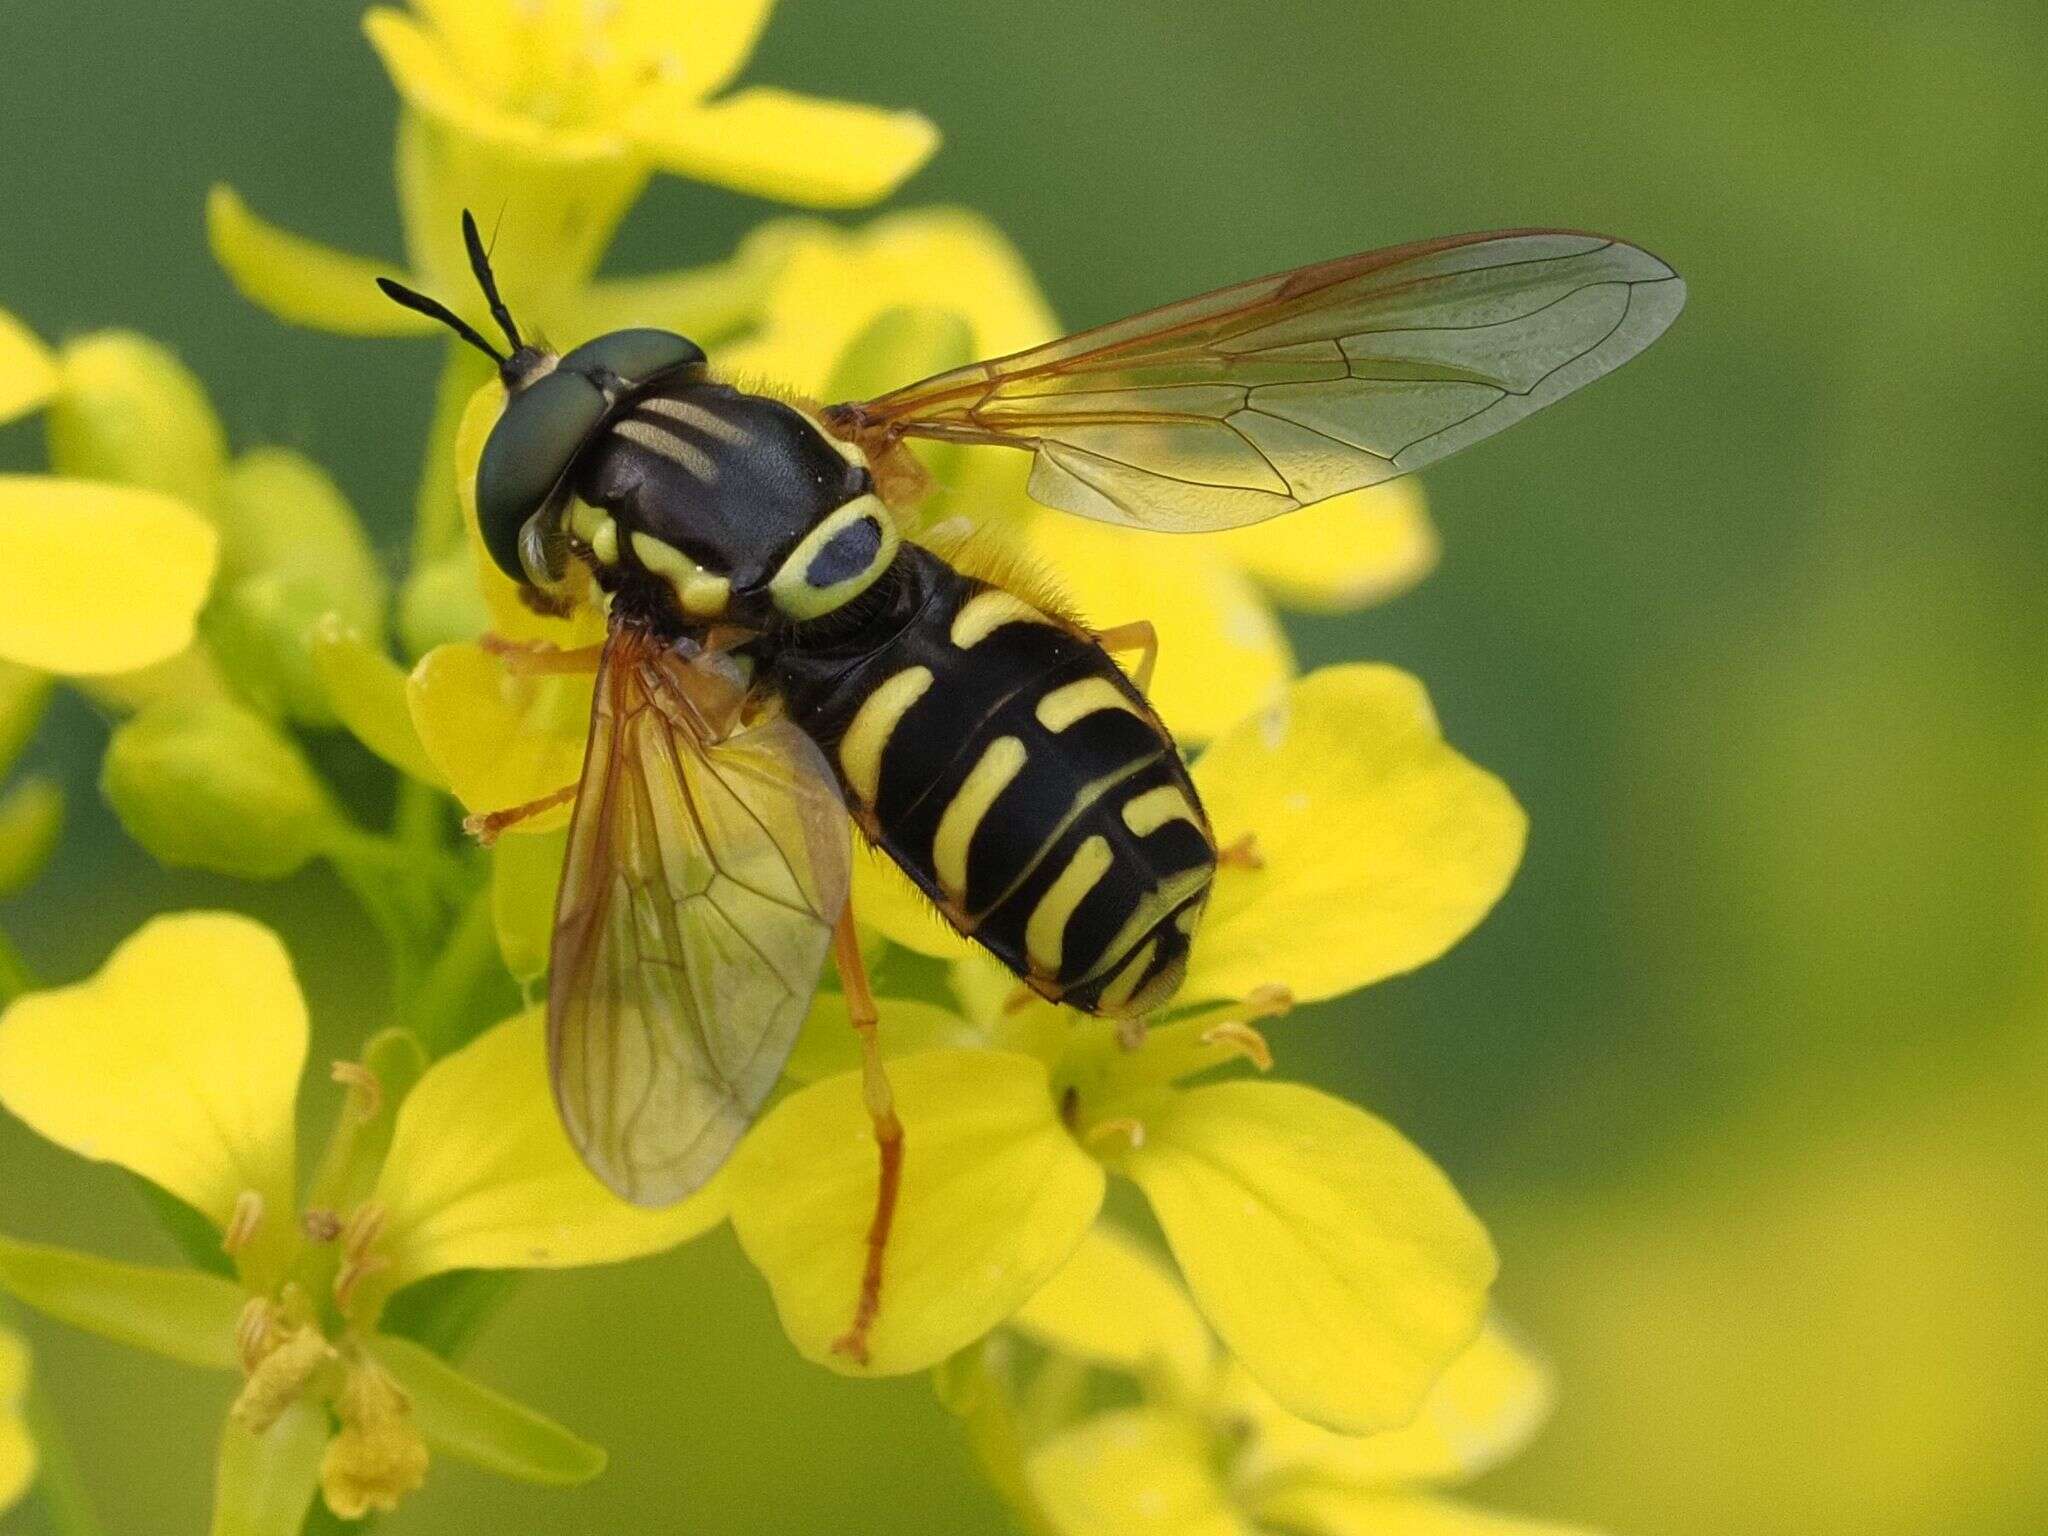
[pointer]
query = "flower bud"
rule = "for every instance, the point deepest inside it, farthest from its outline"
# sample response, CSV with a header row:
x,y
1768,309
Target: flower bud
x,y
261,630
209,784
279,512
441,604
23,693
27,374
31,816
128,411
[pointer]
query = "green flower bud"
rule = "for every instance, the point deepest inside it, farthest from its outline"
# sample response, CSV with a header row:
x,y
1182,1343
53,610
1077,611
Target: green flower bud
x,y
261,630
280,513
207,784
128,411
442,603
23,693
30,819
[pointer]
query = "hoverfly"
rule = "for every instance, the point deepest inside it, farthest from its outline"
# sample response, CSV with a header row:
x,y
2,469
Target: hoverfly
x,y
782,661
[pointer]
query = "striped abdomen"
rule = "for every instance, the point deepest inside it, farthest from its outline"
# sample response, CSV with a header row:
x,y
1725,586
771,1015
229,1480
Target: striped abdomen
x,y
1001,758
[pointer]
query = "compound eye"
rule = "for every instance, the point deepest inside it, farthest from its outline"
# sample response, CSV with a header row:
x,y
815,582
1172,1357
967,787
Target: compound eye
x,y
634,357
527,455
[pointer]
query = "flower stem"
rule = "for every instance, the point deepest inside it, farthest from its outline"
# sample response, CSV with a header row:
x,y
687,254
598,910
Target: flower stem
x,y
60,1485
439,1010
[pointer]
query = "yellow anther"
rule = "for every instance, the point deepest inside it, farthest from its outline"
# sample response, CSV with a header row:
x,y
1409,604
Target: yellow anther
x,y
320,1224
243,1222
1242,854
253,1334
280,1377
366,1092
1244,1040
379,1456
358,1262
1270,1001
1126,1126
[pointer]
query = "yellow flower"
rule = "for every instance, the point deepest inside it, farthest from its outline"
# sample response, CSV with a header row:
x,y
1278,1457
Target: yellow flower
x,y
1222,652
1205,1449
95,578
180,1060
1330,1255
559,112
17,1450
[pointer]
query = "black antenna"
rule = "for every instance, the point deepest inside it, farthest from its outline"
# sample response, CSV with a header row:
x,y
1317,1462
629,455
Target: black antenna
x,y
434,309
480,264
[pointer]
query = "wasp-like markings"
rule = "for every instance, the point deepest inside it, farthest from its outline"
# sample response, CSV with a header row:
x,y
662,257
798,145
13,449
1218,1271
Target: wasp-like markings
x,y
780,656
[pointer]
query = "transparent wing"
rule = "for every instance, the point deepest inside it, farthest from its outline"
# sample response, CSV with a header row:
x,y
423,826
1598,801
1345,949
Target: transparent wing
x,y
1261,398
708,861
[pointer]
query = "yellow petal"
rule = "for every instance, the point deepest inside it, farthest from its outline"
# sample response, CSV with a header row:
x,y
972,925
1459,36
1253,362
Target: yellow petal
x,y
795,149
717,37
833,285
995,1196
525,873
496,737
511,618
504,1189
367,692
1481,1411
300,280
1114,1304
1341,554
98,578
885,899
1222,653
17,1450
1382,847
1334,1259
430,80
178,1060
1135,1472
828,1044
1318,1511
28,374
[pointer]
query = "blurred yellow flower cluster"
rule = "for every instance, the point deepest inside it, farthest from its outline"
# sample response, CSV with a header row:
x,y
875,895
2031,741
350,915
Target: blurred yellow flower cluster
x,y
234,604
1204,1447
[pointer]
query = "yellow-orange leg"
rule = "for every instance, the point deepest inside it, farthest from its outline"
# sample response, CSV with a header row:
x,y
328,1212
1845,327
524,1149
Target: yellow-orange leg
x,y
487,826
1138,635
538,658
1242,854
881,1106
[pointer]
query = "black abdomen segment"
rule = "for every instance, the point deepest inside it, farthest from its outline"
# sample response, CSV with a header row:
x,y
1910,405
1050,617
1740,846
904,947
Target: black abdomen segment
x,y
1008,765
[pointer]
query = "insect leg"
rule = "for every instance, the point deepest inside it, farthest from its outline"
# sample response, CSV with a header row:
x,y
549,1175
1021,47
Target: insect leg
x,y
487,826
881,1106
1138,635
538,658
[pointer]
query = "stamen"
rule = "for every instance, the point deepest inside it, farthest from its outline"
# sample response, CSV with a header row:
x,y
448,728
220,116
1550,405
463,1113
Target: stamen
x,y
1242,854
242,1223
1243,1039
1128,1126
320,1224
252,1333
362,1084
358,1263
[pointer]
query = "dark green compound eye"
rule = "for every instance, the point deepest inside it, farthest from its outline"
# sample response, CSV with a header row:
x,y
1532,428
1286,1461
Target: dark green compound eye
x,y
549,422
634,357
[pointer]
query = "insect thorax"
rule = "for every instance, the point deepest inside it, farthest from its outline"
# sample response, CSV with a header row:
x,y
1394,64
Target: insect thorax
x,y
704,504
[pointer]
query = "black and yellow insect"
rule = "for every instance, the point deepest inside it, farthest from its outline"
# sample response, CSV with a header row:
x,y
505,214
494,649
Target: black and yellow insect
x,y
781,656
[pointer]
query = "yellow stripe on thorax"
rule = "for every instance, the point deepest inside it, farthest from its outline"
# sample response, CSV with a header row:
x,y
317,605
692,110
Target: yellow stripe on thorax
x,y
1000,762
700,594
860,749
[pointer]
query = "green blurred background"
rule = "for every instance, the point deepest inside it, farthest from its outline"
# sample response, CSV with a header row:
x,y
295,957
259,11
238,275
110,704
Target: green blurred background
x,y
1747,1071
